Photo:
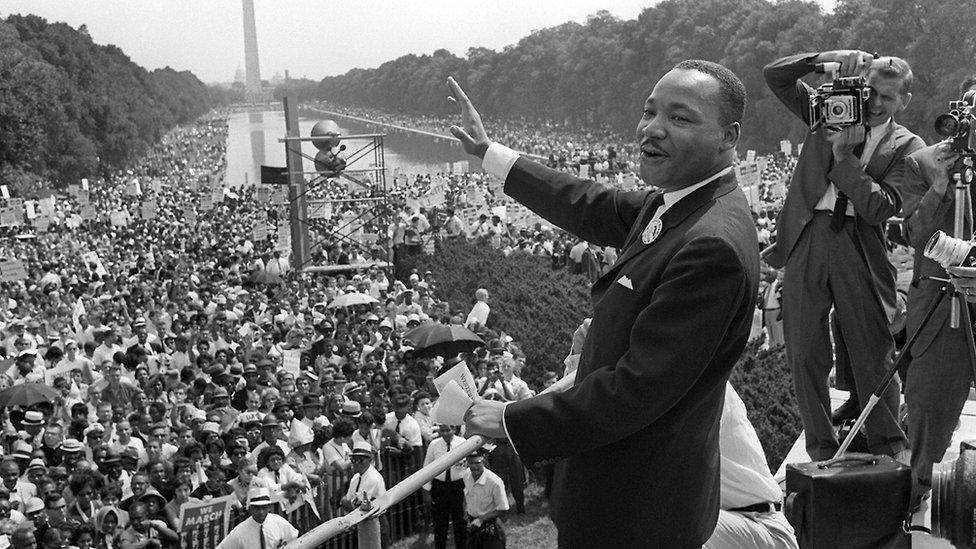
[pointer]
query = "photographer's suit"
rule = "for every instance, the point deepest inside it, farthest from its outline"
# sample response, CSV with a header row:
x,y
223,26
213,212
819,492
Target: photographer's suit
x,y
846,269
938,377
635,441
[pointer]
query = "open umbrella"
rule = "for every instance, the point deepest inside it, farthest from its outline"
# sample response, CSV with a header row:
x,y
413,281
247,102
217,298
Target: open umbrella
x,y
352,298
442,340
27,394
264,277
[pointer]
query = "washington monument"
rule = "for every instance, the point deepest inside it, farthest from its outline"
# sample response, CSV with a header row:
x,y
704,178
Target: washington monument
x,y
252,82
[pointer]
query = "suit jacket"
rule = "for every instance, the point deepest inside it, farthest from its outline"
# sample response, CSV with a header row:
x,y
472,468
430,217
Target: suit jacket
x,y
925,213
638,433
873,197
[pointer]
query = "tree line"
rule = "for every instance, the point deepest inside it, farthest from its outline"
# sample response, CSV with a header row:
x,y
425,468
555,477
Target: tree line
x,y
600,72
70,108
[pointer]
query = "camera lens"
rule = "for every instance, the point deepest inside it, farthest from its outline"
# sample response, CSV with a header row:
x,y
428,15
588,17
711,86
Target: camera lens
x,y
838,109
946,125
954,497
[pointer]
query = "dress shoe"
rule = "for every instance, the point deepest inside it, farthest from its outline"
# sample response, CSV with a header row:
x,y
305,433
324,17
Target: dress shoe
x,y
846,411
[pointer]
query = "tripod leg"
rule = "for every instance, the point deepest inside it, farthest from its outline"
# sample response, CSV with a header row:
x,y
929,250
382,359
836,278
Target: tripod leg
x,y
883,385
967,325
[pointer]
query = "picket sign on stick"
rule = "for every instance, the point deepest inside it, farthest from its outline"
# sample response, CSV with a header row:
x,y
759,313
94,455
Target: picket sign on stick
x,y
331,528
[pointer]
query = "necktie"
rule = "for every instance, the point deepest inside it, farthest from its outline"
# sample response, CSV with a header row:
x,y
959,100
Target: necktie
x,y
447,474
840,205
261,535
358,482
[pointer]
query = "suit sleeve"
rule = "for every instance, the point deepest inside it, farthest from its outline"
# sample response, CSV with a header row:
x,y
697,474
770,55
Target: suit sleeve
x,y
705,280
596,213
924,210
874,201
783,78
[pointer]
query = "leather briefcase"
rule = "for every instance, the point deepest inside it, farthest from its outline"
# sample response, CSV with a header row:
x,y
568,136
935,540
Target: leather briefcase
x,y
852,502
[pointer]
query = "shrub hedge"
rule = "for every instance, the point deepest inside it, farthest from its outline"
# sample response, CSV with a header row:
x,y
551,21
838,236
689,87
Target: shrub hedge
x,y
540,308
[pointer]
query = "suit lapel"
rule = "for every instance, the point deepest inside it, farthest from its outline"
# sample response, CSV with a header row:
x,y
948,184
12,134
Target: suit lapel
x,y
884,155
673,217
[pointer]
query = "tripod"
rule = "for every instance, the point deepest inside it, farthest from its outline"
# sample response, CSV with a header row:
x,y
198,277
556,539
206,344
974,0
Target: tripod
x,y
960,316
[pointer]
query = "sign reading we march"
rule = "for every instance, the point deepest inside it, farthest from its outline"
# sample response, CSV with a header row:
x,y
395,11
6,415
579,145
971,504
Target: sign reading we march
x,y
204,524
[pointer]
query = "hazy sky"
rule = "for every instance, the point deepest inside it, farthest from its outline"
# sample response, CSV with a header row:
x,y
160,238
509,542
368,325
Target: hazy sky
x,y
309,38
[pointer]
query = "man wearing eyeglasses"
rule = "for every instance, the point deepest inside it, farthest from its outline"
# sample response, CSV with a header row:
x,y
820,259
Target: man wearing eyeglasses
x,y
364,487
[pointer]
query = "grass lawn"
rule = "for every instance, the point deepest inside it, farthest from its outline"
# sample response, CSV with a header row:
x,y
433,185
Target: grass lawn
x,y
531,530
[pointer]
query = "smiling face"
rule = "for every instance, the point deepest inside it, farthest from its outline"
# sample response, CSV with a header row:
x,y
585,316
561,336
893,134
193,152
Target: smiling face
x,y
681,137
886,99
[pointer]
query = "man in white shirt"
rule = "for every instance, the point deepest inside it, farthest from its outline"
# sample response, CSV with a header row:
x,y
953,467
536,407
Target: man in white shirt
x,y
484,495
447,491
364,487
404,427
263,530
750,515
479,312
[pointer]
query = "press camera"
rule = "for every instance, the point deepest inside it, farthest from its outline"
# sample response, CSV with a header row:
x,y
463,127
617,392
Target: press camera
x,y
841,102
949,251
958,124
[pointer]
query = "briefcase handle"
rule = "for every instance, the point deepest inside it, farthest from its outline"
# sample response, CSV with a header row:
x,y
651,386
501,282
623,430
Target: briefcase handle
x,y
850,457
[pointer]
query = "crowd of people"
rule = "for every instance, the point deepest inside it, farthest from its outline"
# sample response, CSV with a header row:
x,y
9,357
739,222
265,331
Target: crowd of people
x,y
190,361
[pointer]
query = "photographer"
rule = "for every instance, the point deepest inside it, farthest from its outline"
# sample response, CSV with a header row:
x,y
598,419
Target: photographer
x,y
938,378
831,241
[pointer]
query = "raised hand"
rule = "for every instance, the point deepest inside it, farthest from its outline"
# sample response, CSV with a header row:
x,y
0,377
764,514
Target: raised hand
x,y
472,136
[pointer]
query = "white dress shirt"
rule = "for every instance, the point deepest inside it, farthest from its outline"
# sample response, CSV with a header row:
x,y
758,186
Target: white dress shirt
x,y
438,448
275,529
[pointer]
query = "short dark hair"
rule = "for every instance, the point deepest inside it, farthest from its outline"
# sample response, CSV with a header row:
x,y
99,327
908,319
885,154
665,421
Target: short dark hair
x,y
732,93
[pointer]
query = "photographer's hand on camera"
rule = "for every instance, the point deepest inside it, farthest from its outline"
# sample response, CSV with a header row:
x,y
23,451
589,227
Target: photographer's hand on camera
x,y
935,161
852,62
844,141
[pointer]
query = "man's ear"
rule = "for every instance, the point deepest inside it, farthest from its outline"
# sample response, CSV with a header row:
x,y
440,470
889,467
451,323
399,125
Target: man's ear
x,y
730,136
906,99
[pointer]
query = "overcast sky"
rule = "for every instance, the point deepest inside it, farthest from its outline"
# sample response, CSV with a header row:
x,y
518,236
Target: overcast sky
x,y
309,38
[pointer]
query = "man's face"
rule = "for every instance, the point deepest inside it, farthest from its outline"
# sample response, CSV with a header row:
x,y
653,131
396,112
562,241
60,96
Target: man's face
x,y
137,516
886,99
10,471
680,136
476,466
259,512
361,463
139,485
52,436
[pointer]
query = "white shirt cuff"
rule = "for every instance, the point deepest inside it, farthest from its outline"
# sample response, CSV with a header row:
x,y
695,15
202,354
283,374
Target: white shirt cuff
x,y
499,160
505,425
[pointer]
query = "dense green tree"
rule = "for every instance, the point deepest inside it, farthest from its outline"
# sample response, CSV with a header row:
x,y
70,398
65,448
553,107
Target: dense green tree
x,y
599,72
70,108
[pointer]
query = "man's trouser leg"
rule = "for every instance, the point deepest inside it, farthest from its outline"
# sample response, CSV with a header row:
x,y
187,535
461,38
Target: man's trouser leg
x,y
865,328
458,520
936,388
806,310
440,501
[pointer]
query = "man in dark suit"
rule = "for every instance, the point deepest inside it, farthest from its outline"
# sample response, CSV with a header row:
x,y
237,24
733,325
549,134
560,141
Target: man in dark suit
x,y
939,376
830,237
635,441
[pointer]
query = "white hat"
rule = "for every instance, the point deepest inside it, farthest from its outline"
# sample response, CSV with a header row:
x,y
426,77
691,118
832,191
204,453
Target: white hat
x,y
385,323
362,448
259,496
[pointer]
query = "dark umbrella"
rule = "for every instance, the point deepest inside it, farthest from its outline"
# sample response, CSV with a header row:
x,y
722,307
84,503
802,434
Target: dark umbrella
x,y
264,277
441,340
27,394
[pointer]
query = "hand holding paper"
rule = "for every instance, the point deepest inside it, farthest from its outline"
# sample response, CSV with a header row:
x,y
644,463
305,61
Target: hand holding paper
x,y
451,405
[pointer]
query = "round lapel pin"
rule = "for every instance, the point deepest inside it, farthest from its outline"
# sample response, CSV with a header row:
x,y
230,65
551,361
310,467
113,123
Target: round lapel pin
x,y
652,231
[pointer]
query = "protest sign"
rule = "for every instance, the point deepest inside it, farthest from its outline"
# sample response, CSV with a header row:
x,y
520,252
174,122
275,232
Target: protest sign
x,y
119,218
206,202
132,188
41,223
319,209
750,155
12,270
259,232
748,174
84,184
88,213
291,361
5,192
786,147
204,524
11,217
263,193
